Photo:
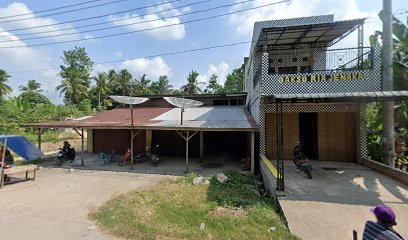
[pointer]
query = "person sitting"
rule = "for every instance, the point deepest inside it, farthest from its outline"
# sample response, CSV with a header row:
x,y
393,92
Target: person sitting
x,y
383,227
8,163
66,146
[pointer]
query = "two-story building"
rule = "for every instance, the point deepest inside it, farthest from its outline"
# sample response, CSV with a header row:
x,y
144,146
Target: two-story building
x,y
301,87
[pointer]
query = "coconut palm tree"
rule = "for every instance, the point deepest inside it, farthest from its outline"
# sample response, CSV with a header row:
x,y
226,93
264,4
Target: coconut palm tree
x,y
32,86
102,88
162,86
124,82
4,88
143,86
191,87
74,86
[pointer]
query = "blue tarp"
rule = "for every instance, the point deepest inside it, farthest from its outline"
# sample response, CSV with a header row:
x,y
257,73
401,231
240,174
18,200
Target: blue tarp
x,y
22,146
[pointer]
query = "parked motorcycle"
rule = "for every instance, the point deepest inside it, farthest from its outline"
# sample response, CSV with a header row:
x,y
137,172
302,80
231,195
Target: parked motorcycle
x,y
67,153
301,161
141,157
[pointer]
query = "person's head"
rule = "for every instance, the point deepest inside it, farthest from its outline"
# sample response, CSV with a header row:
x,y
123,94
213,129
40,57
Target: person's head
x,y
384,215
66,143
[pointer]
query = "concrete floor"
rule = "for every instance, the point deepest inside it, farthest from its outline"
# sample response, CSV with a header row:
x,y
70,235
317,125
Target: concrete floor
x,y
56,205
335,202
166,165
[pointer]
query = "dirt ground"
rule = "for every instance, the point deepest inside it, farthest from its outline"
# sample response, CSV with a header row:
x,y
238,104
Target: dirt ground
x,y
56,205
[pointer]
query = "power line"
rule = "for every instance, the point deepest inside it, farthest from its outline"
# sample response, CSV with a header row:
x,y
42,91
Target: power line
x,y
104,23
136,23
147,29
64,12
50,9
90,18
150,56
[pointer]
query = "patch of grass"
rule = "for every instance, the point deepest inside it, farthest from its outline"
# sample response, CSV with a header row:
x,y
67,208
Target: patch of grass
x,y
176,209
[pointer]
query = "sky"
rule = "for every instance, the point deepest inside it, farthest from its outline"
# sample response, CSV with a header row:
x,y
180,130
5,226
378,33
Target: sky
x,y
136,49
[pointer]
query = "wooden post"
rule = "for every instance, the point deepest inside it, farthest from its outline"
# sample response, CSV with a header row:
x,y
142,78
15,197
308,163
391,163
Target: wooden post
x,y
187,151
39,138
2,163
201,144
252,152
131,148
82,147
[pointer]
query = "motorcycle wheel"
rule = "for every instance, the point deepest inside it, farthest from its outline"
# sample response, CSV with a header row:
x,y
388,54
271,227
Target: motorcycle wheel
x,y
122,163
309,173
59,162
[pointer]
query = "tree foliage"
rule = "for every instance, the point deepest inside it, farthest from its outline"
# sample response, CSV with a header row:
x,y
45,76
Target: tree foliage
x,y
4,88
235,81
75,73
192,86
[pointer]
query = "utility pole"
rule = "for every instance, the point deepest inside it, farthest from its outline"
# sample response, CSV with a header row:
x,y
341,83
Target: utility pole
x,y
387,85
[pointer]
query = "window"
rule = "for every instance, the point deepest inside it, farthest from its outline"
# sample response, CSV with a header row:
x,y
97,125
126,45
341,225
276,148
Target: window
x,y
287,70
294,60
305,69
280,60
305,59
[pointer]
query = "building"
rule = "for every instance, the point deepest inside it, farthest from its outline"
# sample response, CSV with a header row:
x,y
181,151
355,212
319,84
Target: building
x,y
222,126
293,57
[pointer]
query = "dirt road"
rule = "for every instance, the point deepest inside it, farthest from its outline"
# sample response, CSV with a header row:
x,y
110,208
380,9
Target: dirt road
x,y
56,205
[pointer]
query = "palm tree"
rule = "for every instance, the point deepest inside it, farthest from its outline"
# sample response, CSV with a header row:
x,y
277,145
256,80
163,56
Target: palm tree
x,y
102,88
191,87
162,86
143,85
4,88
32,87
73,86
124,80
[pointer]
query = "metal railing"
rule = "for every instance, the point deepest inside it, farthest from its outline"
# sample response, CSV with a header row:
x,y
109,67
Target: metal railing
x,y
317,60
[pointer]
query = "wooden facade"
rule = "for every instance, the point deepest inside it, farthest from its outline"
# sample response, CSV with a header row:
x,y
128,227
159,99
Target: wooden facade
x,y
106,140
336,135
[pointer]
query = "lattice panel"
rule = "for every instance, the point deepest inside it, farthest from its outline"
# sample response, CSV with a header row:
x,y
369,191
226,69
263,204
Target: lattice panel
x,y
270,108
372,78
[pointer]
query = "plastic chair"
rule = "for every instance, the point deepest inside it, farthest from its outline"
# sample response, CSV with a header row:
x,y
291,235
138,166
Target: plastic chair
x,y
103,159
111,156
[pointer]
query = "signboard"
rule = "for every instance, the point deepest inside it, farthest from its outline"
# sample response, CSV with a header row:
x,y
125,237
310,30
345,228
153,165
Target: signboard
x,y
331,77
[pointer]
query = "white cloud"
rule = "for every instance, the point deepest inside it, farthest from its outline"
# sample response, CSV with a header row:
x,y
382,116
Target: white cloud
x,y
33,24
132,22
221,70
17,59
342,10
152,68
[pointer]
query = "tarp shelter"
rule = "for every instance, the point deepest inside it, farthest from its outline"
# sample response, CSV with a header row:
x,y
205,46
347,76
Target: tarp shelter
x,y
22,146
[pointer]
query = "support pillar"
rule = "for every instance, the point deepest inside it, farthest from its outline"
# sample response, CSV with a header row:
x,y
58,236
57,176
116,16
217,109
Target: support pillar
x,y
39,138
82,147
131,148
149,139
187,138
132,136
201,144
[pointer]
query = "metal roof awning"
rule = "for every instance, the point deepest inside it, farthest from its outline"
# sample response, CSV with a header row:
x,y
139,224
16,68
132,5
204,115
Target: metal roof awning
x,y
326,34
341,97
216,118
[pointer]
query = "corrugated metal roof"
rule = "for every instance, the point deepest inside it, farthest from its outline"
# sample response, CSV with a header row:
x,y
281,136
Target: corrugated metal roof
x,y
324,32
205,118
347,96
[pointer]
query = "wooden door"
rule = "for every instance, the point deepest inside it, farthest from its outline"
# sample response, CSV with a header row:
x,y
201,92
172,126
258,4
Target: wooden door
x,y
337,140
290,134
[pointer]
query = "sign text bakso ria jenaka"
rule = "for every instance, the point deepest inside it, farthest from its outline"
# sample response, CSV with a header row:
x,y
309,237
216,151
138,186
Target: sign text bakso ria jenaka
x,y
322,78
